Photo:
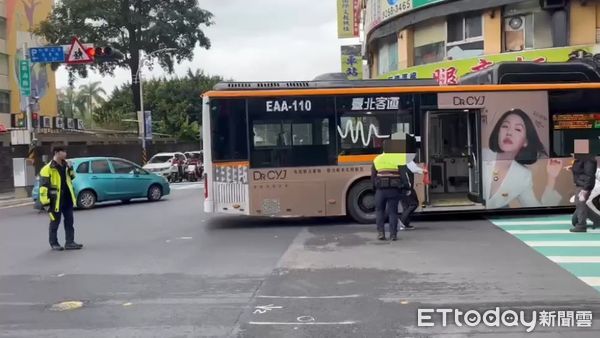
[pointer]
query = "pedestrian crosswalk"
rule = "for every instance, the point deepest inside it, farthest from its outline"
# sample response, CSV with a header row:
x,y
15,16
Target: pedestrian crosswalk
x,y
578,253
187,185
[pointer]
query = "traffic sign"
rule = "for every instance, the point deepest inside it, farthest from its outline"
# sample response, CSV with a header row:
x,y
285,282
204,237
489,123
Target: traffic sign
x,y
78,54
47,54
25,77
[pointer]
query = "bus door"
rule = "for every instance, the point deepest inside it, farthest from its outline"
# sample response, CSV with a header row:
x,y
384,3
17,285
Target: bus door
x,y
452,151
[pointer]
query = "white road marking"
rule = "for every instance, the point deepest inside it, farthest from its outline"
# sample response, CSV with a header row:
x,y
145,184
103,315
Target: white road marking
x,y
563,243
185,237
310,297
505,223
548,232
60,275
575,259
348,322
262,309
16,205
591,281
185,186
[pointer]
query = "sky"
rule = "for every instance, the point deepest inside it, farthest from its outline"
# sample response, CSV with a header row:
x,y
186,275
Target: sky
x,y
259,40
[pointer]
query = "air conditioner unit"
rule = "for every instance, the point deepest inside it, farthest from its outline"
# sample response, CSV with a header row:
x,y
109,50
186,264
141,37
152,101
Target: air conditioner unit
x,y
46,122
59,122
514,33
553,4
514,23
70,123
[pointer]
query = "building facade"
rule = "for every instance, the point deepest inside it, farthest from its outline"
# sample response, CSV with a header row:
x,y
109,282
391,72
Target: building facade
x,y
17,19
446,39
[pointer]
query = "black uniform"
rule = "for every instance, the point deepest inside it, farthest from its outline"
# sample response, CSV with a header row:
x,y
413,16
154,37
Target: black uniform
x,y
584,177
410,203
390,189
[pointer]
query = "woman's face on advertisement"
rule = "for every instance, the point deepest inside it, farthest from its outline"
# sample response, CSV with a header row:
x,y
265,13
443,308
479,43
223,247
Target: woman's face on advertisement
x,y
513,135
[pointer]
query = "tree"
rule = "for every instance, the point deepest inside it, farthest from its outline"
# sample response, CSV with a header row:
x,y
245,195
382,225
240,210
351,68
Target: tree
x,y
92,95
130,26
67,102
175,103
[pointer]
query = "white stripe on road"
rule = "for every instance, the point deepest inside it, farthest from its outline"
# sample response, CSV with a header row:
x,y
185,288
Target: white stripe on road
x,y
575,259
187,186
547,232
591,281
563,243
349,322
310,297
505,223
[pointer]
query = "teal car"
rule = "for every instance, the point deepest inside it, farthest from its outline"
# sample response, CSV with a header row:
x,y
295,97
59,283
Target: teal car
x,y
101,179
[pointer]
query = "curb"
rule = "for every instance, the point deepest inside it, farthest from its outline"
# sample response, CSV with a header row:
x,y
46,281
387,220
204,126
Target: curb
x,y
17,202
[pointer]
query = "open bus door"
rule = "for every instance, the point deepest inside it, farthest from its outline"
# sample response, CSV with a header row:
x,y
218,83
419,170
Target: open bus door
x,y
452,149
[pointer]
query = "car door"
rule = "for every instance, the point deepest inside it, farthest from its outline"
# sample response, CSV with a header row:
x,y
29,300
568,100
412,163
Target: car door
x,y
102,179
130,179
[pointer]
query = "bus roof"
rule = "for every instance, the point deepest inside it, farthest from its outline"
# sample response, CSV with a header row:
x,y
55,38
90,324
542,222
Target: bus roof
x,y
397,89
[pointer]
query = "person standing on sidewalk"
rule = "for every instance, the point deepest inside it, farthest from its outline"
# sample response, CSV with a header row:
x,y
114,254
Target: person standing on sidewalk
x,y
57,194
584,175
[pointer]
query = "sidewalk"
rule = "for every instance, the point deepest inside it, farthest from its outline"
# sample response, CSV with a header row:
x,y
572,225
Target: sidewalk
x,y
9,200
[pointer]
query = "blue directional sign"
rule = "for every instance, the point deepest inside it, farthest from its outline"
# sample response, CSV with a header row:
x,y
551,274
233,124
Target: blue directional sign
x,y
47,54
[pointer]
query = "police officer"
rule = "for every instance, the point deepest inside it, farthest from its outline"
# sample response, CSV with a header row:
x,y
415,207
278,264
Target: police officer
x,y
389,175
58,197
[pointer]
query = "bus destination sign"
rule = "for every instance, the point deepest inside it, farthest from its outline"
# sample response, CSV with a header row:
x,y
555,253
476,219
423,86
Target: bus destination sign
x,y
576,121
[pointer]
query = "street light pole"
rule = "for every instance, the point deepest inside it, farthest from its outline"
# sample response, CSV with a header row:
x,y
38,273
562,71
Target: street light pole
x,y
142,116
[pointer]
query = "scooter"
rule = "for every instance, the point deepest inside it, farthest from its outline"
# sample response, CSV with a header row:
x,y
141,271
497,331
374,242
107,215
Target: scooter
x,y
191,172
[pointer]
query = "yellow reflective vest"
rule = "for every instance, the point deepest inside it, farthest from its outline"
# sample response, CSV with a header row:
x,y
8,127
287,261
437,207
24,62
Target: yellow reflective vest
x,y
51,184
389,161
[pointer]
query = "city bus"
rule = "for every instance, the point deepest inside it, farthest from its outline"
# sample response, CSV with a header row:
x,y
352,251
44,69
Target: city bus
x,y
305,149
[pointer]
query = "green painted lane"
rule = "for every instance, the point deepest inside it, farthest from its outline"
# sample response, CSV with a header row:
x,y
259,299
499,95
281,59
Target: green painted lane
x,y
560,237
582,269
569,251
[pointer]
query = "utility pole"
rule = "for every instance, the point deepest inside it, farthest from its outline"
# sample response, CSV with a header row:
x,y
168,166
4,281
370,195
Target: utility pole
x,y
147,59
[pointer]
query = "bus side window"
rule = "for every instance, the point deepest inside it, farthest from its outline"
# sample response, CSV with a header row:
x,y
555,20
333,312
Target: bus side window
x,y
229,130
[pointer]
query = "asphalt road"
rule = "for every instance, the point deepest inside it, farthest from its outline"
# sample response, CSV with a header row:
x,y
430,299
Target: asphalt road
x,y
166,269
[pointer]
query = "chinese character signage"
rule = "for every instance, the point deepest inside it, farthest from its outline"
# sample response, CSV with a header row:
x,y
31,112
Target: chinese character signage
x,y
352,62
450,72
378,11
348,18
576,121
25,77
375,103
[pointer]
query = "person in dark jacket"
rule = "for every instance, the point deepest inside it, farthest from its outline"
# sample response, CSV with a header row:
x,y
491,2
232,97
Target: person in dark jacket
x,y
584,176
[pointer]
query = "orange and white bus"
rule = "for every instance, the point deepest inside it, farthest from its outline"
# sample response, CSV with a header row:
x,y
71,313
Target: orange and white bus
x,y
304,149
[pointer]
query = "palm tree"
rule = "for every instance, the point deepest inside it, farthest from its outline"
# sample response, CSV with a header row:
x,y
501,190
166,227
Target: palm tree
x,y
68,102
91,95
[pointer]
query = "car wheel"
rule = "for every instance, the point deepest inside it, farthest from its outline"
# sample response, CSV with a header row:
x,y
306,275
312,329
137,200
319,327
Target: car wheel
x,y
360,202
154,193
86,199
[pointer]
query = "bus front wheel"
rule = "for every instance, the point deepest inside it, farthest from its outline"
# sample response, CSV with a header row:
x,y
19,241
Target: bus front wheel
x,y
361,202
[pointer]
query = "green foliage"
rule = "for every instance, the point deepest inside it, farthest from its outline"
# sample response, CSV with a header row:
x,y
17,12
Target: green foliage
x,y
175,103
130,26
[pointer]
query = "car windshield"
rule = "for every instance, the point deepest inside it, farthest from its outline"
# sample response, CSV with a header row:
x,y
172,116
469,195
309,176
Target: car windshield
x,y
160,159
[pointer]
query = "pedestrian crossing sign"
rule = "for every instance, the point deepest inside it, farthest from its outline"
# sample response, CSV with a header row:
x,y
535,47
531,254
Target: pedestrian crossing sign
x,y
78,54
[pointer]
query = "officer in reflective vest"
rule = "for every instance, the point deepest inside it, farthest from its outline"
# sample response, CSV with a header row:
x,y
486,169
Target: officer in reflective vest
x,y
58,197
390,179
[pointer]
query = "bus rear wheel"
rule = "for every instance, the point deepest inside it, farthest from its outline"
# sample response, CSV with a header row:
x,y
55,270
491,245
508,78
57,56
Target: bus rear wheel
x,y
360,203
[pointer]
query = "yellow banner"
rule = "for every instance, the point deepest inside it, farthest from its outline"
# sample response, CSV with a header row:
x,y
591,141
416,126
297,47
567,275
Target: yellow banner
x,y
348,18
352,62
